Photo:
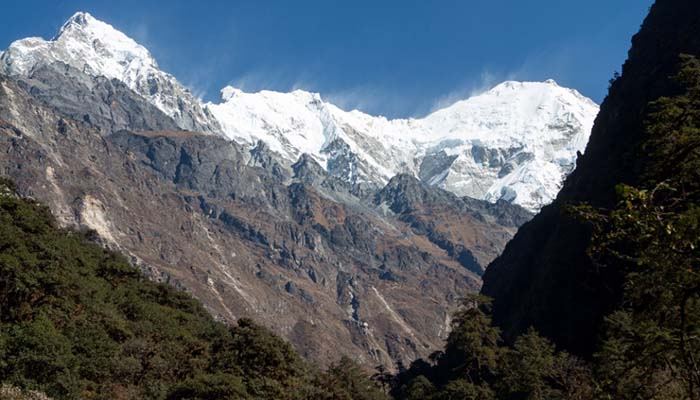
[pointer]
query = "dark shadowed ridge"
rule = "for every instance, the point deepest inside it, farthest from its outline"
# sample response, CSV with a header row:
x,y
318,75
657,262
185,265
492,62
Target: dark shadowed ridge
x,y
544,277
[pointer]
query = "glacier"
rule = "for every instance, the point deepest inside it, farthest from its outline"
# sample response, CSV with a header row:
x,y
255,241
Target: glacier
x,y
515,142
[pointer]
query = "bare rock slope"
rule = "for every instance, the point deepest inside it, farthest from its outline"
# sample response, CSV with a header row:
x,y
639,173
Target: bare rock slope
x,y
373,275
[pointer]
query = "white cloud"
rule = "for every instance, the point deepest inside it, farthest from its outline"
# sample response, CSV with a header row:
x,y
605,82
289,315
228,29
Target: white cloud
x,y
486,81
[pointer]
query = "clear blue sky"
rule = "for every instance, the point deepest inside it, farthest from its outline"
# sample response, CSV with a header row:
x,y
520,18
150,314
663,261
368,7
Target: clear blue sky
x,y
392,57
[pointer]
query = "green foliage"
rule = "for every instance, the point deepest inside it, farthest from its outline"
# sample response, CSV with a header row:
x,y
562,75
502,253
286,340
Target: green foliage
x,y
673,133
463,389
420,388
533,370
651,344
477,365
472,347
210,386
528,368
77,321
349,382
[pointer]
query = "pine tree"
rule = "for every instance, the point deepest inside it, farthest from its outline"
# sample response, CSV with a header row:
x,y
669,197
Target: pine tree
x,y
651,347
472,351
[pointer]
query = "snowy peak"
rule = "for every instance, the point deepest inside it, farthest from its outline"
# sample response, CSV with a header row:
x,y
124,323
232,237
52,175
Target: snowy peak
x,y
515,111
515,142
290,123
97,49
229,92
85,43
81,20
107,50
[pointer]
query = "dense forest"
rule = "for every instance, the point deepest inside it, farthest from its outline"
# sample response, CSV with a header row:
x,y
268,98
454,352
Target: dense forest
x,y
77,321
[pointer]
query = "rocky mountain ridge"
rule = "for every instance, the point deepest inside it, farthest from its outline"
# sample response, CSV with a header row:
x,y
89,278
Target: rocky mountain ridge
x,y
332,270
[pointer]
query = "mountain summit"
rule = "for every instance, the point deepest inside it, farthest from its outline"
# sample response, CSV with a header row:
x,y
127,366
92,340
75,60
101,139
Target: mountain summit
x,y
97,49
515,142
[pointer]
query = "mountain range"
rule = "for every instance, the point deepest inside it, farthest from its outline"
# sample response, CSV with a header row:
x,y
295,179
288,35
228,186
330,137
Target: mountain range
x,y
515,142
343,232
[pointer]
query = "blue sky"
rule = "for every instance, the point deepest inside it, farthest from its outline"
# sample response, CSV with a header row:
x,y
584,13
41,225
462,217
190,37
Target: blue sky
x,y
397,58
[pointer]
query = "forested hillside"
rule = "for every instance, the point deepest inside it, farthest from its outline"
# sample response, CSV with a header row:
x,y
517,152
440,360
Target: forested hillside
x,y
77,321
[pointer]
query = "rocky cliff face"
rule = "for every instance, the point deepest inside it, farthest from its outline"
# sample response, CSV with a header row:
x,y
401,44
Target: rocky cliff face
x,y
471,231
335,267
544,277
105,103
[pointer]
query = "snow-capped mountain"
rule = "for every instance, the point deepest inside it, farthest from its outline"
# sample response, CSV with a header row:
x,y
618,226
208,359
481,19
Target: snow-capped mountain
x,y
516,141
96,48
